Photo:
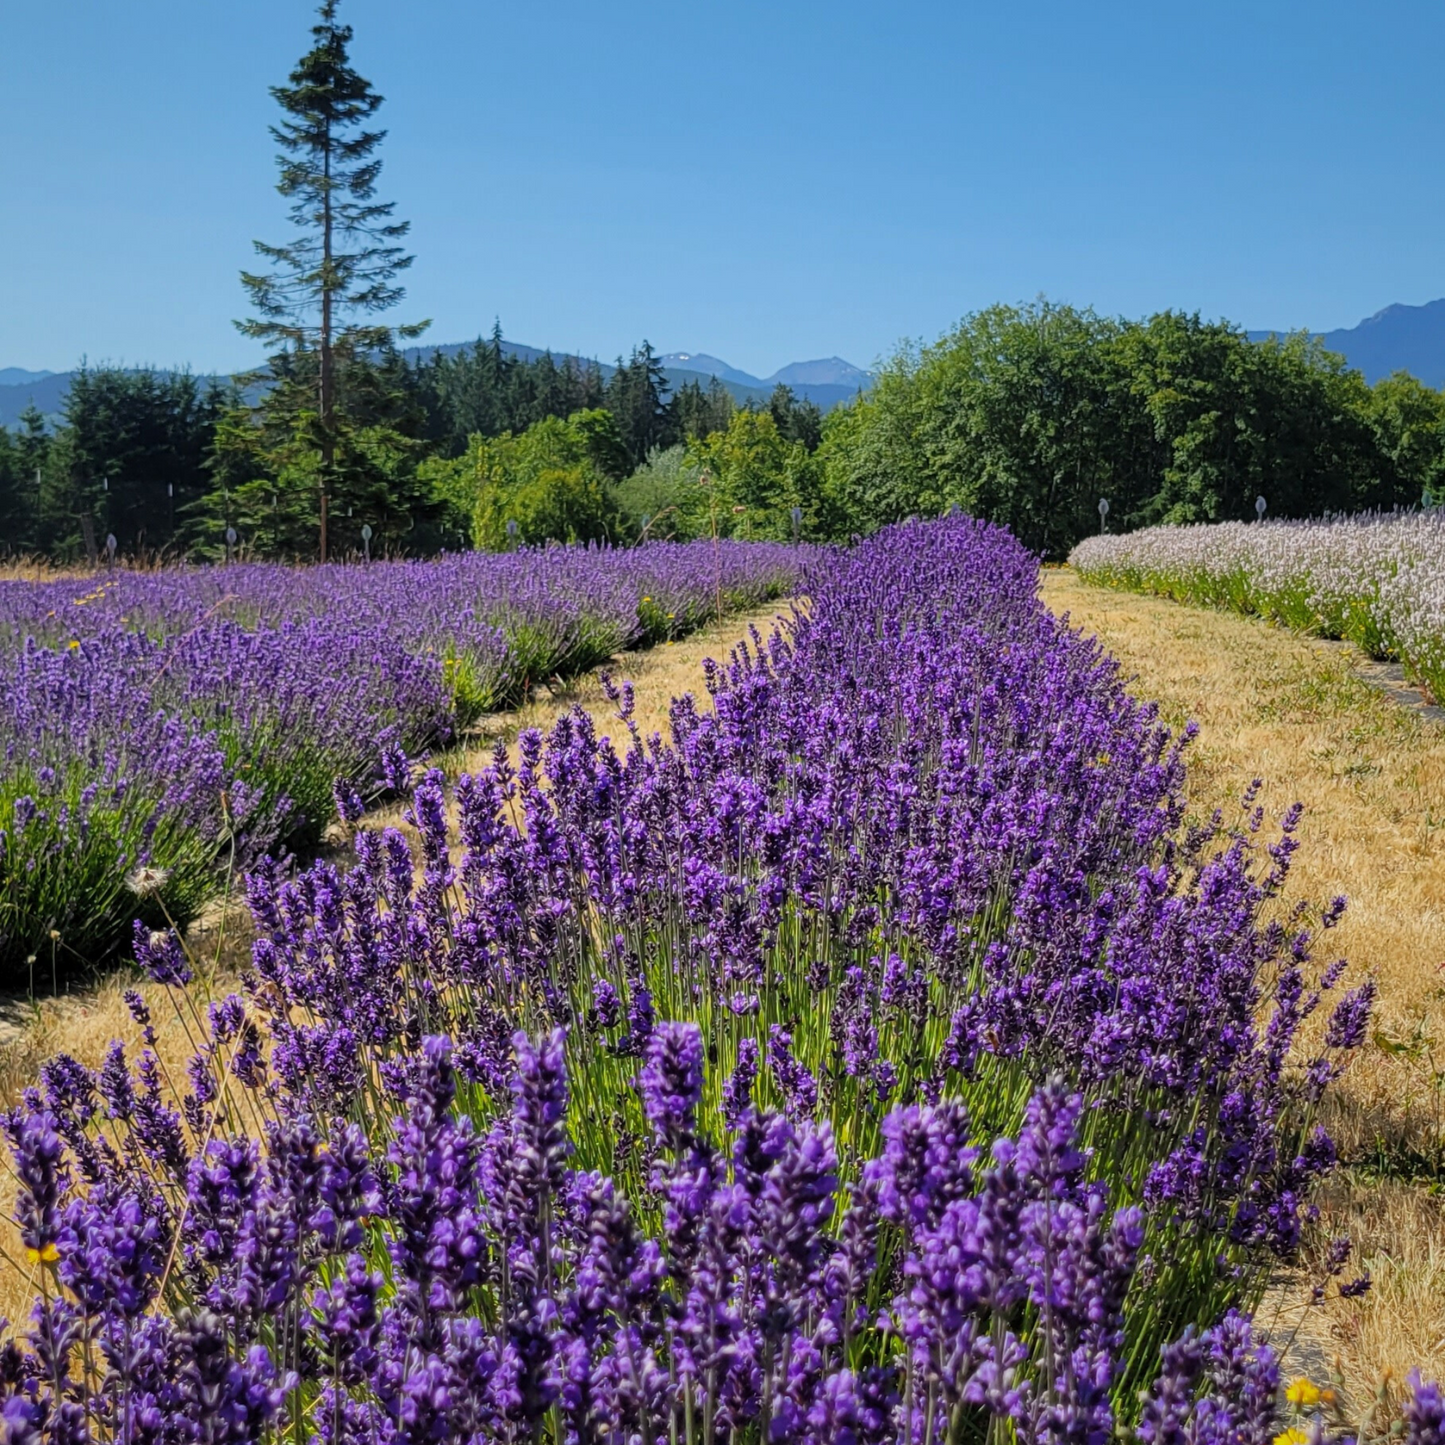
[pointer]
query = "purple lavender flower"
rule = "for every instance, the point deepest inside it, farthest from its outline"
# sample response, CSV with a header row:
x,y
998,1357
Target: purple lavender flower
x,y
795,1083
160,954
1424,1416
40,1171
671,1084
737,1095
349,806
606,1003
1351,1018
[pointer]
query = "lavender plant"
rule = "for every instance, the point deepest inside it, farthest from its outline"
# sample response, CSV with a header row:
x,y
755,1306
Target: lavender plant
x,y
156,724
442,1283
878,1057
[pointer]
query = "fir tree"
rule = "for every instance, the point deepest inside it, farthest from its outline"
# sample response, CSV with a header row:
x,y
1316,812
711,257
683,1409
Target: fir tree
x,y
637,396
327,286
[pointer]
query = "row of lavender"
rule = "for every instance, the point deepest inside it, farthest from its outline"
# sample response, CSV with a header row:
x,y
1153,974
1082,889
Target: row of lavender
x,y
1377,579
877,1059
153,723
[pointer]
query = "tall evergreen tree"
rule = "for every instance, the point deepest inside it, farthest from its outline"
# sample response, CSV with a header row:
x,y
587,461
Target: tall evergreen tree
x,y
798,421
698,413
25,457
637,396
342,268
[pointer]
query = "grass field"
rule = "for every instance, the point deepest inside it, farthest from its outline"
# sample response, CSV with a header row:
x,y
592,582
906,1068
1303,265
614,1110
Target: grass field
x,y
1291,711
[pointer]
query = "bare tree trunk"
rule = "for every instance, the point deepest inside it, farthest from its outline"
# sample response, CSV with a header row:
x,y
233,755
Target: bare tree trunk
x,y
87,534
328,451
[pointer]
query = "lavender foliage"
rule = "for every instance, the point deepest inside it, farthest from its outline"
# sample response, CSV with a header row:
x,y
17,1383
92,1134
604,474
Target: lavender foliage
x,y
157,725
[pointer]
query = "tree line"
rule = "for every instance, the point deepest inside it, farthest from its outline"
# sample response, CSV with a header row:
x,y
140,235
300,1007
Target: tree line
x,y
1027,415
427,449
1030,415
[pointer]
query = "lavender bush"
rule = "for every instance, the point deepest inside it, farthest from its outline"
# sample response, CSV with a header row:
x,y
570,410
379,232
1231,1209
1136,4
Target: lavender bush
x,y
876,1058
155,724
1376,579
512,1296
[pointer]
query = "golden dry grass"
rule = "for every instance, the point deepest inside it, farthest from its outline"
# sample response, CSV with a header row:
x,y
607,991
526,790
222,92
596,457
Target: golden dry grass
x,y
658,675
1291,711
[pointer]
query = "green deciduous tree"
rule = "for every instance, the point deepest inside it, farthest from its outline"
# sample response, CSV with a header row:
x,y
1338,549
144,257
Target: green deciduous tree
x,y
1408,421
547,482
1029,415
750,478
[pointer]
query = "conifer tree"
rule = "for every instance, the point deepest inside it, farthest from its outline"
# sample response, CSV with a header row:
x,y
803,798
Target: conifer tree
x,y
326,287
636,395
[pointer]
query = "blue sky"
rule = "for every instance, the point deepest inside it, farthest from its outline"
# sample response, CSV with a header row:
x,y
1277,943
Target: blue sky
x,y
768,182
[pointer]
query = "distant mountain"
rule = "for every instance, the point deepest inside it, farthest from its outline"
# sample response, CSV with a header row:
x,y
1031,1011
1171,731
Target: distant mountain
x,y
677,376
1399,338
826,383
47,394
705,365
833,371
18,376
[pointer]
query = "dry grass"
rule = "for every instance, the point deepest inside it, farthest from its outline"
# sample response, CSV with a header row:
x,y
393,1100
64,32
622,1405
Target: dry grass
x,y
658,675
1371,775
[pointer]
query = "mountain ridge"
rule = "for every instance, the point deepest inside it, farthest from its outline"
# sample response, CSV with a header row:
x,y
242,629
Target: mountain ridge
x,y
810,380
1398,337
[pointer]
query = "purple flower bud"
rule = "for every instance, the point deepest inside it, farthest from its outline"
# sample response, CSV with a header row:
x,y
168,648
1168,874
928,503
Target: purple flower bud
x,y
606,1003
1424,1415
160,954
349,807
737,1094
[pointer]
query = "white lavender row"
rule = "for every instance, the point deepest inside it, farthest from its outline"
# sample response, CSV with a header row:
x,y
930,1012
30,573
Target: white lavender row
x,y
1375,579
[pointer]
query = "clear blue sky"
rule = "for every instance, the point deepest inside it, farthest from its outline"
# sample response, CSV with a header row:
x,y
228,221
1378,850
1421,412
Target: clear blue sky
x,y
768,182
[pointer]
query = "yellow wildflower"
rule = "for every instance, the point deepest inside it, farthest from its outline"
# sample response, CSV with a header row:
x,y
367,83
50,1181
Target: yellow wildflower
x,y
647,599
1303,1393
48,1255
74,644
1293,1436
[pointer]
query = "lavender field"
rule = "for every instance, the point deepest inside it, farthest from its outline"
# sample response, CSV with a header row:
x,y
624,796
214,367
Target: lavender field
x,y
1374,579
160,728
878,1058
